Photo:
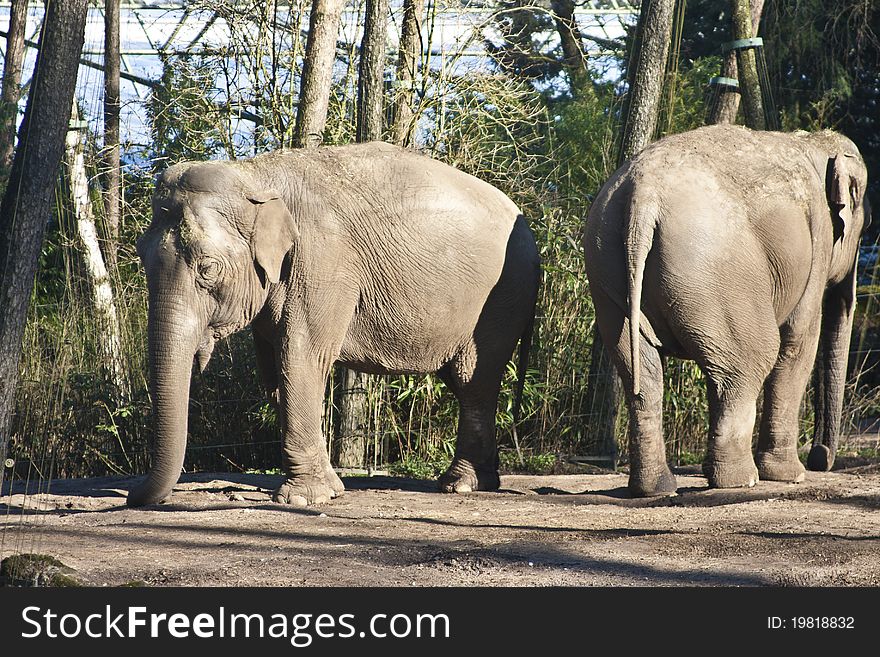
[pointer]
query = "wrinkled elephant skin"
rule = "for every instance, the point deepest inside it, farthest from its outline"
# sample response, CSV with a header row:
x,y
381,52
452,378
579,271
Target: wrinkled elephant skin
x,y
738,250
368,255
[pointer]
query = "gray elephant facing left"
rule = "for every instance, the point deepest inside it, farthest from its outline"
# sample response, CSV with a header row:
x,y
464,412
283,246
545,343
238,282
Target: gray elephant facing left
x,y
368,255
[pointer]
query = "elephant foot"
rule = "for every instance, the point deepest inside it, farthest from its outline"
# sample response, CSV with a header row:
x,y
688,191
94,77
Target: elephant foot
x,y
147,493
305,491
820,459
654,485
731,475
333,480
780,467
463,477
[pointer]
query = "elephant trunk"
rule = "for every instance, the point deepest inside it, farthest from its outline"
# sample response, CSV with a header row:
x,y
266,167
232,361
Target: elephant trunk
x,y
830,372
174,333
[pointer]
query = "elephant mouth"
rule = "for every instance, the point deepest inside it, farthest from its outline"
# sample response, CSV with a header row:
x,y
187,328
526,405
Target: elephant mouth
x,y
211,336
206,348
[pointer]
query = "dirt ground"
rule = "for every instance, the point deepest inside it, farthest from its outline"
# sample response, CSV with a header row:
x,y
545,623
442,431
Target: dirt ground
x,y
580,530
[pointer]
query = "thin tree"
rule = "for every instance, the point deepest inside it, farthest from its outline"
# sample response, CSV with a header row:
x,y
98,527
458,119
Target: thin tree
x,y
570,39
371,72
11,91
112,166
727,107
647,70
353,406
647,75
403,123
27,202
97,273
749,83
317,75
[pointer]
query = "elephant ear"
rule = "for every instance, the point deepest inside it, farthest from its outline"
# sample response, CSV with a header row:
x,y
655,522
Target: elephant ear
x,y
841,189
274,234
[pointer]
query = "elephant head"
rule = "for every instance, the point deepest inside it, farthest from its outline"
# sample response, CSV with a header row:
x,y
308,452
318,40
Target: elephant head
x,y
216,244
846,182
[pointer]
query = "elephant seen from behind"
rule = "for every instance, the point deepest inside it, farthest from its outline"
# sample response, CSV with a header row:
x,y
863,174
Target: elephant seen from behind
x,y
368,255
736,249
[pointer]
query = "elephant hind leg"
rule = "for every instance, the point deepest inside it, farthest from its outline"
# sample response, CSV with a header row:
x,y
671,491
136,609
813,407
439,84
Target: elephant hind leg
x,y
649,473
734,380
475,464
474,374
733,395
729,462
736,350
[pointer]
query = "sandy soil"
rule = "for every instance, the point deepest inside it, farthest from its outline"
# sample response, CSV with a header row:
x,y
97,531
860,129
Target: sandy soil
x,y
582,530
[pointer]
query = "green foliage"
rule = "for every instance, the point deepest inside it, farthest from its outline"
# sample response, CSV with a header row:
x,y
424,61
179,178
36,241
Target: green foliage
x,y
689,458
36,570
68,420
533,464
685,410
494,127
429,467
686,103
585,129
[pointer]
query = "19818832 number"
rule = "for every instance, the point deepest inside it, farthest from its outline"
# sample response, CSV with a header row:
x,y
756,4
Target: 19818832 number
x,y
811,623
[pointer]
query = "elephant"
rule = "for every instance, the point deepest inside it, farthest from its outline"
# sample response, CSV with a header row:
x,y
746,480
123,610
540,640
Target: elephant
x,y
736,249
368,255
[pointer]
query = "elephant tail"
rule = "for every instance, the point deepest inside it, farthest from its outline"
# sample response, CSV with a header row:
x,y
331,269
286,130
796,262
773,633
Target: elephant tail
x,y
522,366
639,238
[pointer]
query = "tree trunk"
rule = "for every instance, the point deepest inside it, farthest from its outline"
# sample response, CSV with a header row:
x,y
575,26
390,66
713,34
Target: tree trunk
x,y
646,75
727,106
570,39
27,202
371,72
353,407
112,166
317,75
403,124
11,91
648,68
351,432
99,280
749,83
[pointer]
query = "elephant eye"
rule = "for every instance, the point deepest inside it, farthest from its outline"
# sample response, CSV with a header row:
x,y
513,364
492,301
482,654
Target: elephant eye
x,y
209,270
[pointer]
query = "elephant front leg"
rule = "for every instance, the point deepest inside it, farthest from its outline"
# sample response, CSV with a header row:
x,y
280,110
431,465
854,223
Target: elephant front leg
x,y
310,478
830,374
777,456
